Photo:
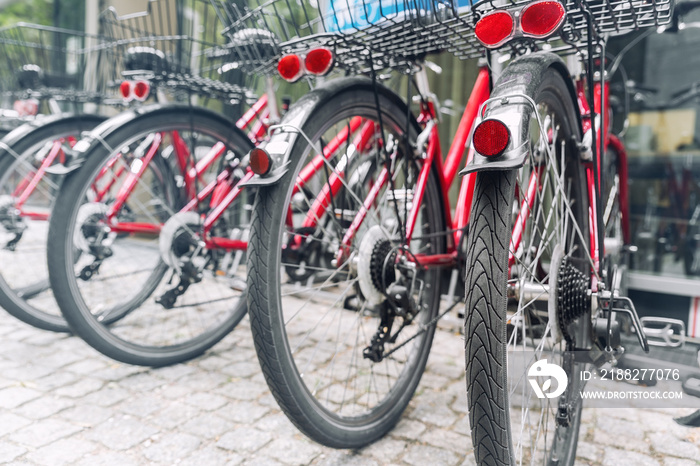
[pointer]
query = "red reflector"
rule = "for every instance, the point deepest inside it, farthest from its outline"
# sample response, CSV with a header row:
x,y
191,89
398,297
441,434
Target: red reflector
x,y
141,90
125,89
491,138
493,29
289,67
319,61
260,161
540,19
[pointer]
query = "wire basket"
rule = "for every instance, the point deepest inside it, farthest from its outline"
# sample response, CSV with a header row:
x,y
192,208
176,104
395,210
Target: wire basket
x,y
174,44
45,62
389,33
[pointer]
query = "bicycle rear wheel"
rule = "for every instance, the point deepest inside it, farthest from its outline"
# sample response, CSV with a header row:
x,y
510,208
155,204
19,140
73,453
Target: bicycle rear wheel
x,y
26,200
341,357
513,314
130,271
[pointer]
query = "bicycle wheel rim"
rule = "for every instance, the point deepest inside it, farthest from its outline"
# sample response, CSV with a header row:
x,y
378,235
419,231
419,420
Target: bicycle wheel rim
x,y
320,415
135,327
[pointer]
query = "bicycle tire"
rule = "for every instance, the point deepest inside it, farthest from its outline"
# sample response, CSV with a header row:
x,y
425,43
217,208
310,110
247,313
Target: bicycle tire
x,y
37,308
287,367
135,328
499,401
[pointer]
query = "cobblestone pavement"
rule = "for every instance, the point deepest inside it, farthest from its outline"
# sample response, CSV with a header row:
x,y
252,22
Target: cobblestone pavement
x,y
63,403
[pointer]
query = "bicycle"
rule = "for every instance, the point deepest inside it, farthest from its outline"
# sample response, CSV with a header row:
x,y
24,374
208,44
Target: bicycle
x,y
177,224
46,70
372,301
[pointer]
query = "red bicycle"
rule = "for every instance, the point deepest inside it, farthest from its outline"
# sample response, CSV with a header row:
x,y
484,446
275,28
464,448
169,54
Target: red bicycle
x,y
343,349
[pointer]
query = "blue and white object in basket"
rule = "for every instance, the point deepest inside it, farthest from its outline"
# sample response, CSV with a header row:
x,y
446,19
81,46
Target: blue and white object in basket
x,y
353,15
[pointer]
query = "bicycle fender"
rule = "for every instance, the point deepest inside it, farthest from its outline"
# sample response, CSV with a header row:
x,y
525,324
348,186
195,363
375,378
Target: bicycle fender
x,y
510,104
284,135
101,133
43,123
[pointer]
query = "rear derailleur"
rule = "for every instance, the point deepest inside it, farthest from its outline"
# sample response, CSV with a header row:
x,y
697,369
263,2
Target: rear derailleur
x,y
11,221
399,300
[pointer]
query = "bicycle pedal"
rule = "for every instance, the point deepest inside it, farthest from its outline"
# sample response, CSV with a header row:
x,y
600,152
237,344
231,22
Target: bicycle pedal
x,y
661,331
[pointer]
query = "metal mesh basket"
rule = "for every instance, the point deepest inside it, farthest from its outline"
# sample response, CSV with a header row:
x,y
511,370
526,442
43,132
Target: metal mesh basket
x,y
174,44
45,62
391,32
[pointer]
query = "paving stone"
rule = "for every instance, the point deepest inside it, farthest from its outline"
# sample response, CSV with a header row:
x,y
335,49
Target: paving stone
x,y
174,391
588,451
28,372
56,380
43,433
87,415
242,370
10,451
87,366
242,411
171,448
142,405
615,457
43,407
116,371
670,445
174,415
109,458
419,455
615,440
408,429
293,451
80,388
668,461
344,458
243,390
211,456
386,450
208,426
173,373
65,451
432,408
121,433
277,423
12,397
248,440
447,440
10,422
206,401
433,381
107,396
261,461
141,382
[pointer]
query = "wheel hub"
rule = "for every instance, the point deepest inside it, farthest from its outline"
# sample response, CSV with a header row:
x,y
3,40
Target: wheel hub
x,y
178,238
375,265
89,226
569,295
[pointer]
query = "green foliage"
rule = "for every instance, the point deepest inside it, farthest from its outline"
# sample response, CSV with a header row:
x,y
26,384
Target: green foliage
x,y
31,11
